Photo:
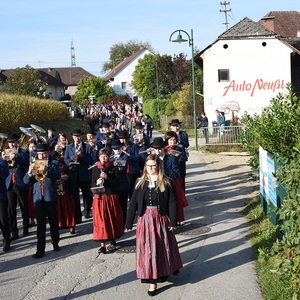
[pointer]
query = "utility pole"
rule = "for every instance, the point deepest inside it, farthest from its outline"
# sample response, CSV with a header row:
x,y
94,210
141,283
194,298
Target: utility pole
x,y
73,60
225,11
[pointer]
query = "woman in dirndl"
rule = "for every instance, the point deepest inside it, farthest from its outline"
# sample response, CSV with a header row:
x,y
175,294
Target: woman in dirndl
x,y
156,246
107,213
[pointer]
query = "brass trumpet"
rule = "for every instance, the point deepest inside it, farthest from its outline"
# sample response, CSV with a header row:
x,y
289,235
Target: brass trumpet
x,y
39,169
60,147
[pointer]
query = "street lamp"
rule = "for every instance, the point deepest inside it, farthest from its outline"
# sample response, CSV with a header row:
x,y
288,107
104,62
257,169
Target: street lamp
x,y
157,93
179,39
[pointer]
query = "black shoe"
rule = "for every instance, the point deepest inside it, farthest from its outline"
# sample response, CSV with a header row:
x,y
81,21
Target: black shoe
x,y
72,230
14,236
32,224
152,293
56,248
25,232
102,250
88,215
6,247
38,254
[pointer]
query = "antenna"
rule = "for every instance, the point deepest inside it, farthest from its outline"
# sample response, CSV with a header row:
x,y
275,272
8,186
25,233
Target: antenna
x,y
225,11
73,60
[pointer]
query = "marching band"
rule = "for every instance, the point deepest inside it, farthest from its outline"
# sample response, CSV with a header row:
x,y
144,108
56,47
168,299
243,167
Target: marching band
x,y
34,162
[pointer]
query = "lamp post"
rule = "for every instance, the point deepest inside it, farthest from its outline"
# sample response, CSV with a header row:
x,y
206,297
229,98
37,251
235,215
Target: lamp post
x,y
179,39
157,93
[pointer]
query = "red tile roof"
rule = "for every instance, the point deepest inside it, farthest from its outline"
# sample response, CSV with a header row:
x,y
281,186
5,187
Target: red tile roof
x,y
69,76
284,23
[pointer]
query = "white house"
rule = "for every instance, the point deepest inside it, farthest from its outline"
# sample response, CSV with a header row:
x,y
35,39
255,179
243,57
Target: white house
x,y
120,77
249,64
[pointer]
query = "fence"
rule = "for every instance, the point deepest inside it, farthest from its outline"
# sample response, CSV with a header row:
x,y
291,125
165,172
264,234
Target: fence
x,y
218,135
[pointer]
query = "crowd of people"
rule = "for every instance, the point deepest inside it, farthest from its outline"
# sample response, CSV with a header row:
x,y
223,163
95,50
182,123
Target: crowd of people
x,y
121,172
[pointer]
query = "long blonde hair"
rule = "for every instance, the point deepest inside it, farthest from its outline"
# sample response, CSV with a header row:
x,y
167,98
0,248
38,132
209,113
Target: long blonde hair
x,y
162,179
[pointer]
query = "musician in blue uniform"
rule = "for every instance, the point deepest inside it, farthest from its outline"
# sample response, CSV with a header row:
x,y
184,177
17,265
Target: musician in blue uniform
x,y
4,223
17,190
78,156
44,176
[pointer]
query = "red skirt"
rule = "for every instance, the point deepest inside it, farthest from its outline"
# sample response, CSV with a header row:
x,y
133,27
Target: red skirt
x,y
181,198
107,218
66,211
31,212
156,247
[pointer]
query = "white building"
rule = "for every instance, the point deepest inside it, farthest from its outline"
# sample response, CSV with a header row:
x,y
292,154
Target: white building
x,y
248,65
120,77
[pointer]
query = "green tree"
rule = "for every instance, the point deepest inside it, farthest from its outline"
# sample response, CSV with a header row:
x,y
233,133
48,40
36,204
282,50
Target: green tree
x,y
168,73
96,86
26,81
119,51
57,76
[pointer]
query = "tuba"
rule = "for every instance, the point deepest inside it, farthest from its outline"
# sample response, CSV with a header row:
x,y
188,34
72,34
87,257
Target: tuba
x,y
26,137
39,169
39,132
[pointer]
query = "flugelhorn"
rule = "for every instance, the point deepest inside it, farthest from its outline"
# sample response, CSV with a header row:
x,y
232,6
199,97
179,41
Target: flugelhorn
x,y
60,147
39,169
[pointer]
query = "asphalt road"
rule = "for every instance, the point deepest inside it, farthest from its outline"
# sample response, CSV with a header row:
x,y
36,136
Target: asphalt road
x,y
217,257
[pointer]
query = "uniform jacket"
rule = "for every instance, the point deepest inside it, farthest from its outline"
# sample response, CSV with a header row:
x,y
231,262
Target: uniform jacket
x,y
133,158
123,181
171,167
86,160
22,165
167,204
3,174
50,184
184,141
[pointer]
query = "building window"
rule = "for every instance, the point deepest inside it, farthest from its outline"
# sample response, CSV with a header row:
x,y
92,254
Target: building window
x,y
223,75
124,85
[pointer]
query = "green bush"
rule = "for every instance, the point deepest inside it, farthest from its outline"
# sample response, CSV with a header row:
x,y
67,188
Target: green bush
x,y
277,130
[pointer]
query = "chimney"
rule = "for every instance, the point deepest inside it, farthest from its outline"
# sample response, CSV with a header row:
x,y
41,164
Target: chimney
x,y
298,33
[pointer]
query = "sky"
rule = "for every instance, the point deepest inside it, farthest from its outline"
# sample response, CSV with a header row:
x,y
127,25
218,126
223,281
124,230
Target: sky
x,y
39,33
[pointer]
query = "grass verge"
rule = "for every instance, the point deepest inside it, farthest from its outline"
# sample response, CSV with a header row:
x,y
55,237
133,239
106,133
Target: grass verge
x,y
262,235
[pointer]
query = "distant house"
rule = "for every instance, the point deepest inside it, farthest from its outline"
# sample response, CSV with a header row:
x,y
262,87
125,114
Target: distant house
x,y
120,77
61,81
69,76
250,63
55,89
